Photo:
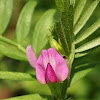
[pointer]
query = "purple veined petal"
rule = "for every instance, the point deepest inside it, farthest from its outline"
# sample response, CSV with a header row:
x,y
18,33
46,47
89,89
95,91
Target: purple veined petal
x,y
60,67
50,75
31,56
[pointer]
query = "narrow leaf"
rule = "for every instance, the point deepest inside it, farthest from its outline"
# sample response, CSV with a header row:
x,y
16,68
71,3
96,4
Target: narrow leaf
x,y
31,87
16,76
81,72
79,10
85,17
71,19
62,37
92,56
67,23
24,21
88,31
77,55
60,5
42,30
84,64
28,97
89,45
6,7
12,51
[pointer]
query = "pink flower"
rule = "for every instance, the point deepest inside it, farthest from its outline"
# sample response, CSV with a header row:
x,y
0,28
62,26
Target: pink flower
x,y
50,66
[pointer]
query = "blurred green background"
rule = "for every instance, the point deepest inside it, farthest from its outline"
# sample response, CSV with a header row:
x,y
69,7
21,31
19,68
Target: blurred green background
x,y
88,88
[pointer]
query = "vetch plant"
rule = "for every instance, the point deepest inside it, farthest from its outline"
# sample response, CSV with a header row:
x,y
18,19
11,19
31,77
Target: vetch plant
x,y
50,67
65,47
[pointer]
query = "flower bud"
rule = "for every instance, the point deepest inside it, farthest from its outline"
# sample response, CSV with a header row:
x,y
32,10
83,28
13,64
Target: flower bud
x,y
54,44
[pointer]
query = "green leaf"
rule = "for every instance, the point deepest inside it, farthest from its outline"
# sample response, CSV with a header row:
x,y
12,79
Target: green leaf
x,y
88,31
65,27
84,64
62,37
28,97
92,56
88,45
17,76
6,8
85,17
31,87
24,21
60,5
80,71
79,10
42,30
77,55
12,51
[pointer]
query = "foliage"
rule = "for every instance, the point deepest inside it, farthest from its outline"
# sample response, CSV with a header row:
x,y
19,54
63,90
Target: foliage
x,y
68,22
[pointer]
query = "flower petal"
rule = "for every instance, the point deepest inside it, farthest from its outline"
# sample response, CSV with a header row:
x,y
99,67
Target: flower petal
x,y
59,64
40,74
43,59
50,74
41,65
31,56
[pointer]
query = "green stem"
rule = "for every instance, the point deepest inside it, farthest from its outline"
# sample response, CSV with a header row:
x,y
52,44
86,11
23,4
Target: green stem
x,y
55,90
62,37
64,88
12,43
69,64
